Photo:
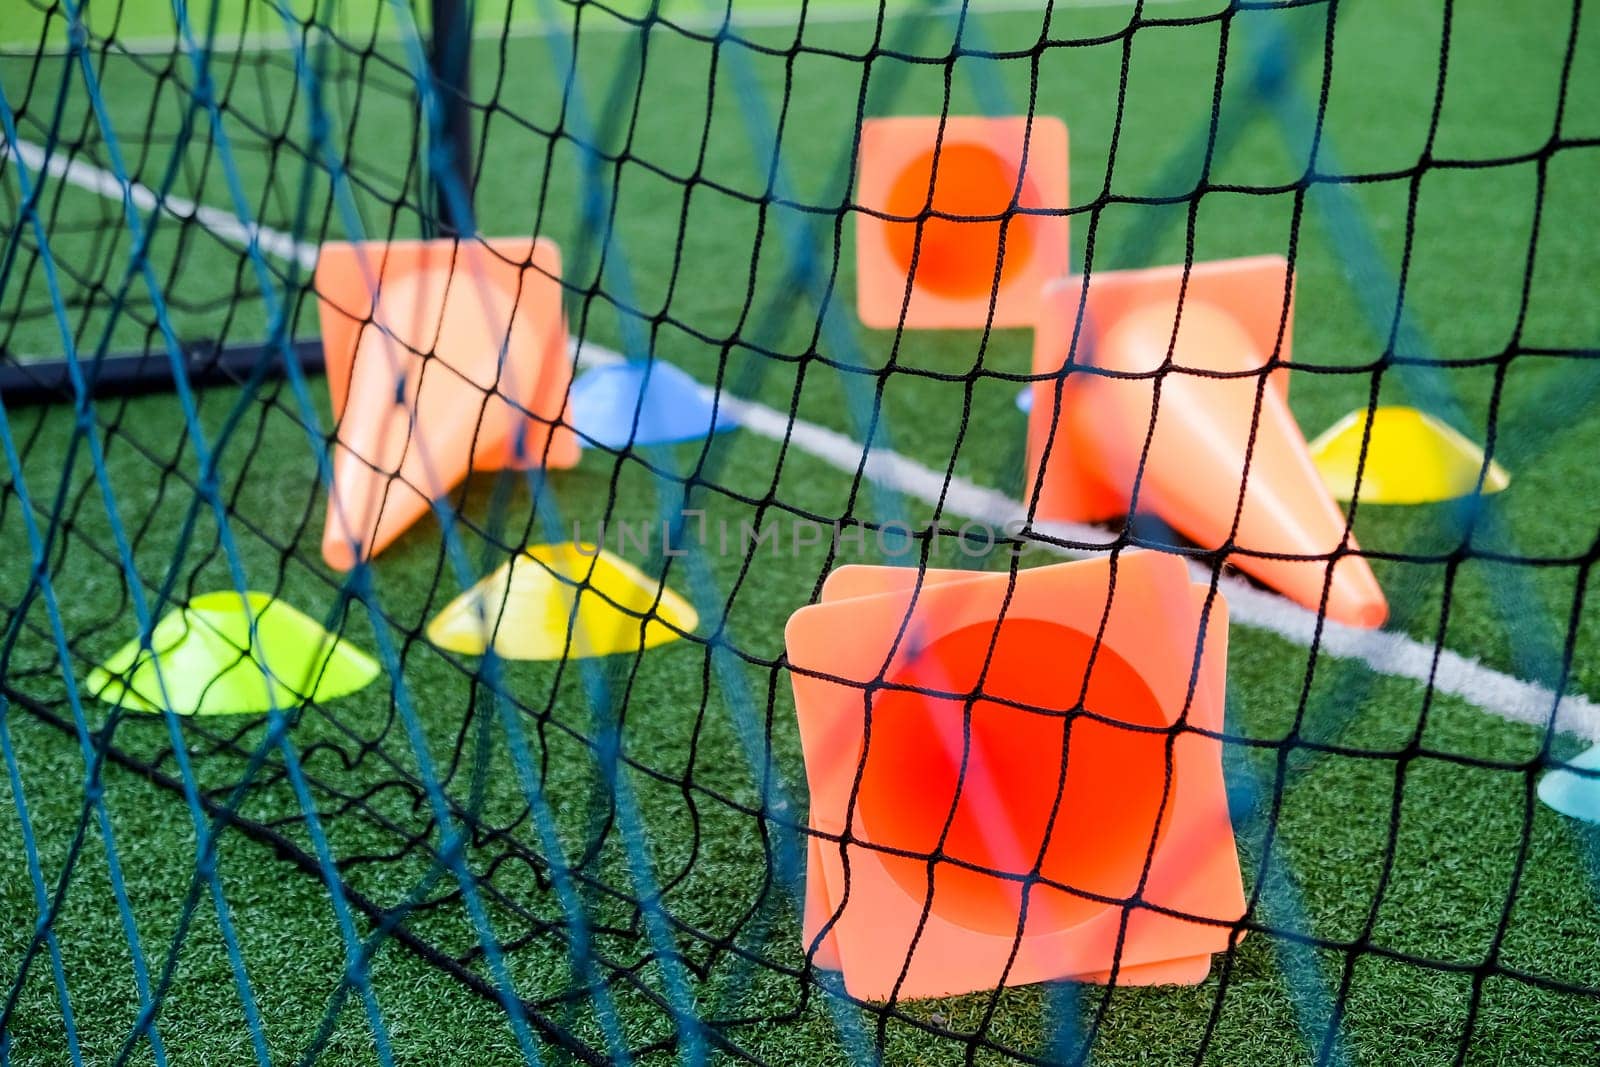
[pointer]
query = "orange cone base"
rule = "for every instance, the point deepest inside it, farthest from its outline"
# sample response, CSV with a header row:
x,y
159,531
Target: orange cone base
x,y
1087,431
442,358
1115,823
1191,970
956,259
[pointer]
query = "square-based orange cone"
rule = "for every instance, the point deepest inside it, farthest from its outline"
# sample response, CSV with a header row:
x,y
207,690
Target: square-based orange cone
x,y
874,665
850,581
1219,459
819,908
973,175
442,358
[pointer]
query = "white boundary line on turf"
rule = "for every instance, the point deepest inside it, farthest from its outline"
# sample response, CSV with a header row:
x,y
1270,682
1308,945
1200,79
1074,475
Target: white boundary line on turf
x,y
223,225
820,14
1384,651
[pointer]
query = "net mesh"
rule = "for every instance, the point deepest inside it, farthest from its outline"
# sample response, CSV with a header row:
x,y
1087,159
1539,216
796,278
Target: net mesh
x,y
611,852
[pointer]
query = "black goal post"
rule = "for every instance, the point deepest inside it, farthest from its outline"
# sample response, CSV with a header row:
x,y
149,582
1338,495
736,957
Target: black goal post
x,y
447,167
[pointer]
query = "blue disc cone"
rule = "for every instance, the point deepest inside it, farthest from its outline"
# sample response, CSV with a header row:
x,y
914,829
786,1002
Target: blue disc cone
x,y
674,407
1025,400
1574,793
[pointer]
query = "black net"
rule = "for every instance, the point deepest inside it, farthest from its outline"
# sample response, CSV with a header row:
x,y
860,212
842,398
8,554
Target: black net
x,y
605,858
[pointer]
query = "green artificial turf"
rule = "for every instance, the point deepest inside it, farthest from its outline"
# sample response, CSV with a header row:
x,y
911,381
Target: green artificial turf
x,y
1369,767
146,24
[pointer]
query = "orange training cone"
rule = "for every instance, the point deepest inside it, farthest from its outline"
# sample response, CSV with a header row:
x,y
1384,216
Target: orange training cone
x,y
1081,796
852,581
1195,471
442,358
974,172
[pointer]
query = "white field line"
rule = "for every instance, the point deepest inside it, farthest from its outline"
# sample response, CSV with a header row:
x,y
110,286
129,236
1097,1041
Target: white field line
x,y
818,14
224,225
1385,651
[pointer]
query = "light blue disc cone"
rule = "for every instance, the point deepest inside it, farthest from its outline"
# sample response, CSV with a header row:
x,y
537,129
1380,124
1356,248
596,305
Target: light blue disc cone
x,y
1025,400
675,407
1574,794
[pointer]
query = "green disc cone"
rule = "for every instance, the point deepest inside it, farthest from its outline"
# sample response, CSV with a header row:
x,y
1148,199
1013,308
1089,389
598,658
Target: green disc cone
x,y
204,661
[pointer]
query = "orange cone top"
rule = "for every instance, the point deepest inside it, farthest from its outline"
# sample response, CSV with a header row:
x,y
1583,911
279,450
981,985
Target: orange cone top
x,y
442,358
975,170
1201,473
1120,711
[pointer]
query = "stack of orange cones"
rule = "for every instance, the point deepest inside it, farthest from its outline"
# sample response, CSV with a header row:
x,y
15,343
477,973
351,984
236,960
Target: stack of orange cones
x,y
442,358
1206,441
1085,778
991,194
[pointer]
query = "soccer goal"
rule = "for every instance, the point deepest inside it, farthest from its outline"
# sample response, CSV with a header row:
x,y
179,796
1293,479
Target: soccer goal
x,y
799,532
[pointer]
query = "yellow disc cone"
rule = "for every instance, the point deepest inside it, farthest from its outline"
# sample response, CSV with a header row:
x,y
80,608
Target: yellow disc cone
x,y
526,608
205,660
1412,458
